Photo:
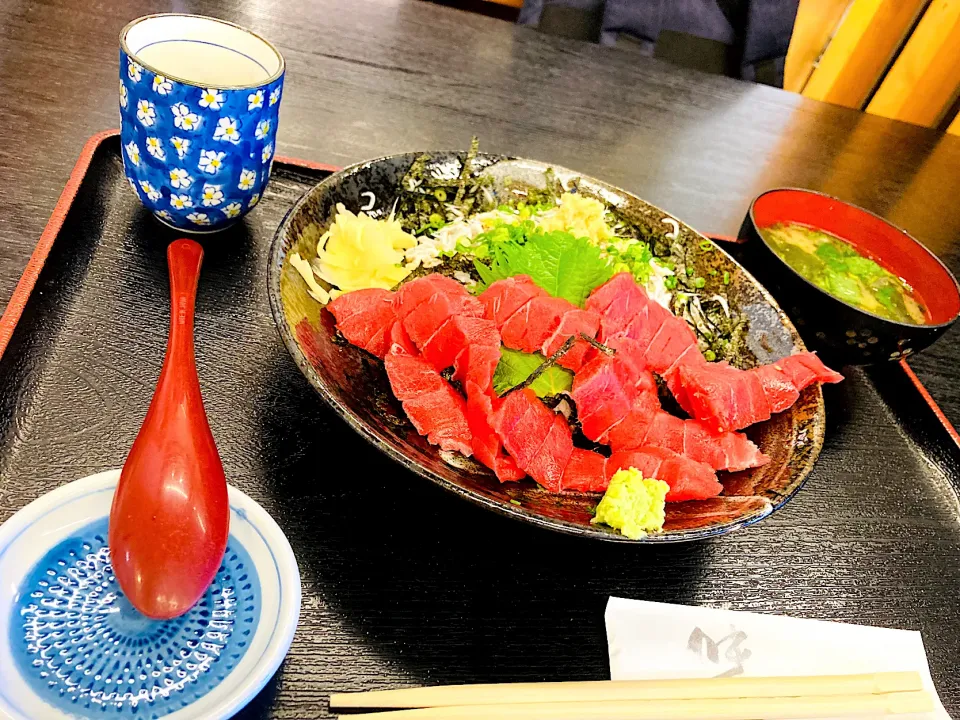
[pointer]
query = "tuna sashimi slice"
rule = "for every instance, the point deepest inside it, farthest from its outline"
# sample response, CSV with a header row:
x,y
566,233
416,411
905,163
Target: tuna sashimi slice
x,y
436,410
721,451
604,391
617,302
413,294
673,339
688,479
365,317
424,321
631,432
411,376
486,444
548,465
538,439
400,343
666,431
585,472
573,322
477,364
806,368
441,417
777,386
454,335
504,297
523,423
713,394
530,327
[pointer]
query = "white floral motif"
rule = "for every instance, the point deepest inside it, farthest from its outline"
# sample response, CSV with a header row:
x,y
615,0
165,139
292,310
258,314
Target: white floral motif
x,y
212,195
211,98
123,95
254,199
211,161
181,145
227,131
232,210
155,148
154,196
164,214
180,178
263,129
161,85
134,70
198,218
274,96
133,152
183,118
267,153
247,179
146,113
180,202
255,100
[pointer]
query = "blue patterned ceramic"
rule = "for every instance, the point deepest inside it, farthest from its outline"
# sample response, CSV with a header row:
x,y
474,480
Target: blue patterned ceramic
x,y
71,645
199,105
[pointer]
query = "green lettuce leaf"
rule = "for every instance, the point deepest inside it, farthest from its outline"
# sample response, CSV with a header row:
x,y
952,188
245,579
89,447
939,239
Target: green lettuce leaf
x,y
565,266
515,367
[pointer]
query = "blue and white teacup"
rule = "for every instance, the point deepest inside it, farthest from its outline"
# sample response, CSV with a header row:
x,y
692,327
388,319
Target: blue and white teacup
x,y
199,104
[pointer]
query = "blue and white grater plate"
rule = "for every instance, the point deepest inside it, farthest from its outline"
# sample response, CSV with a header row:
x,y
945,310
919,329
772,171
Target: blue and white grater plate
x,y
72,646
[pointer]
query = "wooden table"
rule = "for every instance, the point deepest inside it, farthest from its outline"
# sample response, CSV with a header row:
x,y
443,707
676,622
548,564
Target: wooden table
x,y
369,77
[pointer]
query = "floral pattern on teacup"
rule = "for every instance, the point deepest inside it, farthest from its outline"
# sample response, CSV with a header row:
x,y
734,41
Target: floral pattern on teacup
x,y
198,157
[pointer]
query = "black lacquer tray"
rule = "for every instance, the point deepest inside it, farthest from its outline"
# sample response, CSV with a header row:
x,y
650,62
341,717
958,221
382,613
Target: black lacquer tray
x,y
404,583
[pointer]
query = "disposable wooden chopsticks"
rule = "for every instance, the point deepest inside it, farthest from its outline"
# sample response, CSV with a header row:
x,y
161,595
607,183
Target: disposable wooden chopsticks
x,y
779,708
624,690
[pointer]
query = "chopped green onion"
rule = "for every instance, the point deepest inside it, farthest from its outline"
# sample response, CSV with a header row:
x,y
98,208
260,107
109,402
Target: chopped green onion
x,y
710,355
440,194
515,502
713,272
706,245
726,277
689,272
699,282
670,282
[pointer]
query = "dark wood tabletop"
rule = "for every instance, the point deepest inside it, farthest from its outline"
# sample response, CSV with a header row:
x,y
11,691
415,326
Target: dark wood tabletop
x,y
370,77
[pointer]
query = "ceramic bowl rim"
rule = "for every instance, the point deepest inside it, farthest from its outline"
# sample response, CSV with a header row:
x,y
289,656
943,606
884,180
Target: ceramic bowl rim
x,y
911,238
320,386
273,78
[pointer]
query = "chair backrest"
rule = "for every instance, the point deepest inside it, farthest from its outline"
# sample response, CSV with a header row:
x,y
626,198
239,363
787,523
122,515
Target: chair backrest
x,y
895,58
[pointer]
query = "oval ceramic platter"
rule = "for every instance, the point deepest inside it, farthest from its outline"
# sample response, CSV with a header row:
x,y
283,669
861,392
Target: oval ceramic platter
x,y
355,385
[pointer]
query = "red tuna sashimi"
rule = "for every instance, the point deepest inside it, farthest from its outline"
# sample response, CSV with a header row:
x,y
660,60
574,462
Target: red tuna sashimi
x,y
799,368
424,321
722,396
688,479
673,340
454,335
617,302
436,410
417,292
574,322
531,326
365,318
477,363
721,451
400,343
604,391
586,472
504,297
548,465
486,444
777,386
539,440
666,431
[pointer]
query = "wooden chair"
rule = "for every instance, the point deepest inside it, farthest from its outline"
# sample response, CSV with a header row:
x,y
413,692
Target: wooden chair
x,y
895,58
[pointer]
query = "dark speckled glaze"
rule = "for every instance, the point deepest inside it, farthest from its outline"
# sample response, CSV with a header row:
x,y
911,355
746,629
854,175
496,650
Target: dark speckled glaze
x,y
355,385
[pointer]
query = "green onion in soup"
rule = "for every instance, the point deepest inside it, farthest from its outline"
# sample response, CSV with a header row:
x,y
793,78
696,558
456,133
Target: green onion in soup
x,y
833,265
